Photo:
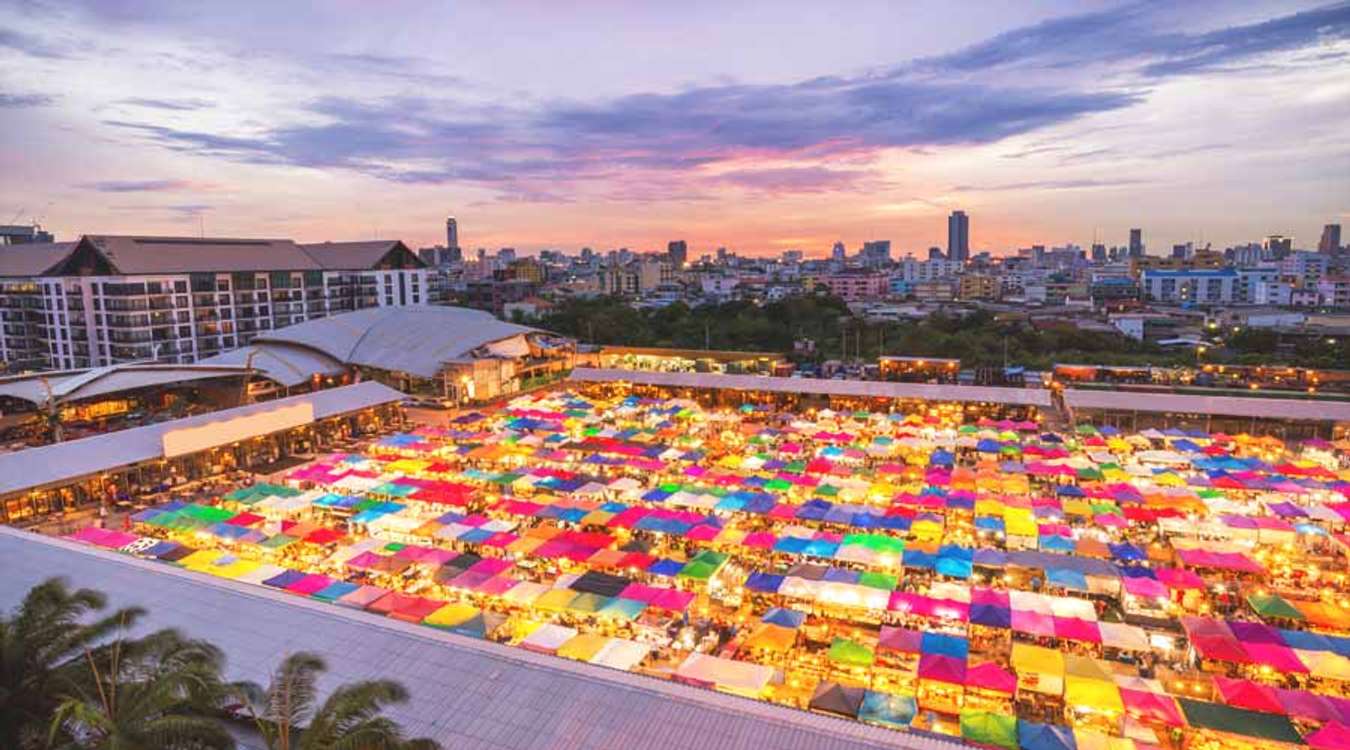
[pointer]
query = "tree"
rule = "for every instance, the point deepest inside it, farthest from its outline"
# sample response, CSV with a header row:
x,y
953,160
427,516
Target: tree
x,y
155,693
44,647
289,717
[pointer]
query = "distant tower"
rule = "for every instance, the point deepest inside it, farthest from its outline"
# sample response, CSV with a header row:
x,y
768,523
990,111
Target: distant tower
x,y
1136,243
1331,239
958,237
838,252
452,241
678,252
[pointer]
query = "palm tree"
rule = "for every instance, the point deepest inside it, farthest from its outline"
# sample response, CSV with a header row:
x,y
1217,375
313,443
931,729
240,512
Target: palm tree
x,y
289,716
43,651
153,693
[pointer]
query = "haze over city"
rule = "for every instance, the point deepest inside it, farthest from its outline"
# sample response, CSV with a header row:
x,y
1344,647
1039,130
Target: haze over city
x,y
762,129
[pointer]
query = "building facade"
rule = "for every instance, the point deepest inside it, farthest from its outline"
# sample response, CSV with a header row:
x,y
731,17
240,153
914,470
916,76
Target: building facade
x,y
112,299
1200,287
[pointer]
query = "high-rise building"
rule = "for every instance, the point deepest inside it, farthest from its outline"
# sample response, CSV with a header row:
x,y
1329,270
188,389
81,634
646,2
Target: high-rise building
x,y
935,253
1136,243
24,234
1331,239
838,252
1278,246
452,252
958,236
678,253
1099,253
876,253
104,300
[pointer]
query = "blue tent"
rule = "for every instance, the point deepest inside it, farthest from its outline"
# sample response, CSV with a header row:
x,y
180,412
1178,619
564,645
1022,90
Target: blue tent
x,y
1034,736
988,446
946,645
888,709
1126,551
765,583
941,458
954,561
1069,579
990,615
783,617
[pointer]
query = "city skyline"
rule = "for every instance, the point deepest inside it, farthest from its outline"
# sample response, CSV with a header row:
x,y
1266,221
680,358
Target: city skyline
x,y
1048,125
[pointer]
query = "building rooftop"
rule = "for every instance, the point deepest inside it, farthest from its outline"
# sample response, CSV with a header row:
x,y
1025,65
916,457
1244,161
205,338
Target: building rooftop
x,y
130,254
74,385
418,340
466,693
862,388
33,468
1219,406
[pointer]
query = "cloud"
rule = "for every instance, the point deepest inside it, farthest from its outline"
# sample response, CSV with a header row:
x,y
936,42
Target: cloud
x,y
17,101
1218,48
29,45
1132,35
137,186
173,105
794,179
427,141
1085,184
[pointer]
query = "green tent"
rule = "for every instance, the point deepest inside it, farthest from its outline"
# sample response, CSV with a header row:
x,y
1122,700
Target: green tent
x,y
1273,605
778,485
883,581
206,513
851,653
828,490
704,565
588,602
1239,721
989,728
278,541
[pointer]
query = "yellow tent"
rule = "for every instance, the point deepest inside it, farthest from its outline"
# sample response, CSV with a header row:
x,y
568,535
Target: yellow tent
x,y
555,600
1087,685
773,638
450,615
1038,669
583,647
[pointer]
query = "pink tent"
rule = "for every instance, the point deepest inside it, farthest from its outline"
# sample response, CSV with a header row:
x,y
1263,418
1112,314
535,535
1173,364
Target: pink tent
x,y
939,668
1280,657
310,585
990,676
1306,705
1248,694
1075,628
496,585
1146,587
641,592
1176,578
1034,623
1152,706
673,600
1332,736
903,640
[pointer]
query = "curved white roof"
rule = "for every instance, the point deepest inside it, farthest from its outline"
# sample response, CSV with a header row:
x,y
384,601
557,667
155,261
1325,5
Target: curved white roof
x,y
418,340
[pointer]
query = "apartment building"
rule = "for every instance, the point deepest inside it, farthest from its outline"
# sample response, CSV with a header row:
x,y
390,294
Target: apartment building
x,y
108,299
1201,287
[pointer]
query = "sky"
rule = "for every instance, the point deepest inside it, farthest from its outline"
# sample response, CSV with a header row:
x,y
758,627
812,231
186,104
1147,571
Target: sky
x,y
758,126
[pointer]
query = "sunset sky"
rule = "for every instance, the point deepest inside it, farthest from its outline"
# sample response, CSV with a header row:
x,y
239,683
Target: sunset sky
x,y
763,127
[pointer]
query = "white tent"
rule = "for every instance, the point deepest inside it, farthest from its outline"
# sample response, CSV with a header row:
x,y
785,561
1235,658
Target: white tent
x,y
727,675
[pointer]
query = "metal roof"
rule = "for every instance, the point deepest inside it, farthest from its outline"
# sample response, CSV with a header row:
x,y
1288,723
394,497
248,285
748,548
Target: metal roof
x,y
286,364
136,255
465,693
1226,406
346,255
73,385
861,388
32,259
416,339
45,465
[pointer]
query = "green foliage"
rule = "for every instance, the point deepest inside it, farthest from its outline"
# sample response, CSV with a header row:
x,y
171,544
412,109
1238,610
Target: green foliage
x,y
977,339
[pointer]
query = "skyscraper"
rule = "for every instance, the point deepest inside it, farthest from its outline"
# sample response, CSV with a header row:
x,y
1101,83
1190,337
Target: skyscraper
x,y
678,252
1136,243
838,252
958,237
1331,239
452,250
877,252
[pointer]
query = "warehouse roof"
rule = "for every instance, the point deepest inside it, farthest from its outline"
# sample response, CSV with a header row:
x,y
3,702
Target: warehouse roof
x,y
863,388
416,339
73,385
465,693
1226,406
47,465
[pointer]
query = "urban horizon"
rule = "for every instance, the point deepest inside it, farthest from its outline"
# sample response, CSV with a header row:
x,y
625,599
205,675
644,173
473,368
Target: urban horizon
x,y
1052,125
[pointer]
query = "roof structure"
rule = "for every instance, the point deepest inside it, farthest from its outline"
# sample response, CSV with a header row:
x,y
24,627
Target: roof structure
x,y
46,465
465,693
860,388
416,339
126,254
1226,406
283,363
74,385
32,259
